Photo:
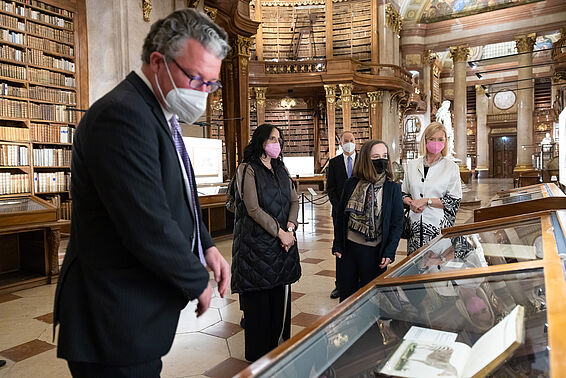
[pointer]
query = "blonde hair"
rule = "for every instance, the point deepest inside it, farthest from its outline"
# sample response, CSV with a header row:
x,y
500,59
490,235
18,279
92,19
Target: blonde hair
x,y
430,131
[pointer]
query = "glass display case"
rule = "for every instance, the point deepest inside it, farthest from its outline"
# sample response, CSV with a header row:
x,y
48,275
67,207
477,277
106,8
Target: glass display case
x,y
29,242
480,299
523,200
25,210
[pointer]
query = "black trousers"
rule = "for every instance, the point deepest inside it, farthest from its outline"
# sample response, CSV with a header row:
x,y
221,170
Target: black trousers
x,y
151,369
337,282
359,266
263,311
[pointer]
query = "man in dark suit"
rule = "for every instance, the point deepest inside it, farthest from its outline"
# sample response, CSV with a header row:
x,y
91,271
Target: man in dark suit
x,y
139,248
339,170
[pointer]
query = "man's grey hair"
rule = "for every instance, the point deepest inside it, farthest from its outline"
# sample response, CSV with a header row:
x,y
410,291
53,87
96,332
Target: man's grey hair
x,y
169,35
344,133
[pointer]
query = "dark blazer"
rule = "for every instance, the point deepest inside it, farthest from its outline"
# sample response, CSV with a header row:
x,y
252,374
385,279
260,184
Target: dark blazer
x,y
336,176
129,268
391,221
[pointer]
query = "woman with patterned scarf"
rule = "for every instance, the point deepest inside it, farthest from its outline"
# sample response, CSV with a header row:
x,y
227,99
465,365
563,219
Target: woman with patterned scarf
x,y
369,219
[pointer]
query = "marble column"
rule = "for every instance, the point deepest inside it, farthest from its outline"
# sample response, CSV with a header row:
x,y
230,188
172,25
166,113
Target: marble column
x,y
375,114
459,56
346,97
331,118
383,35
260,104
390,124
482,135
427,61
525,102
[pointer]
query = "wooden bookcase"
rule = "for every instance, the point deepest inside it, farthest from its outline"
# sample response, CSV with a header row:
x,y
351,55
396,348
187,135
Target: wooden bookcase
x,y
43,81
351,29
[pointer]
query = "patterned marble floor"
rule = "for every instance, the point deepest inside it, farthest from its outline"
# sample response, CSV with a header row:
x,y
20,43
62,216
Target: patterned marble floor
x,y
212,345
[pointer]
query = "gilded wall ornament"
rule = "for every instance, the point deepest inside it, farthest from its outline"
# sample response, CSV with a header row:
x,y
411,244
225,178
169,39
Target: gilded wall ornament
x,y
192,3
428,57
393,18
241,45
210,12
146,9
459,53
525,42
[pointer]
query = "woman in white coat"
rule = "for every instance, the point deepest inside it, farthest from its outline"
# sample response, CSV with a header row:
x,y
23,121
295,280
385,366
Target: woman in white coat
x,y
432,188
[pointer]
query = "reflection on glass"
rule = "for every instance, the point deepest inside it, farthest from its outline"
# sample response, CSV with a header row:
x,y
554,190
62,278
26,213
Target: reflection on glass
x,y
515,198
520,242
450,316
17,205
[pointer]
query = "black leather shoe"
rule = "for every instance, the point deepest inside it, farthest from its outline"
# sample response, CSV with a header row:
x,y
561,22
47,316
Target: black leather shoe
x,y
335,293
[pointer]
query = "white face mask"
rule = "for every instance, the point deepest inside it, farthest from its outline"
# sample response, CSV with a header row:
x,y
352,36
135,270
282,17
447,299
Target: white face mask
x,y
187,104
349,147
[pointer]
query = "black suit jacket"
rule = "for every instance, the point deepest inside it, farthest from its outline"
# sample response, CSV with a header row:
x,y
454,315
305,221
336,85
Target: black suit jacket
x,y
336,176
391,221
129,267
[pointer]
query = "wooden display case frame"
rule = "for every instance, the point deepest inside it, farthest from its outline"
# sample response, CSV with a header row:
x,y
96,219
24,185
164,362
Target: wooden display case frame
x,y
555,287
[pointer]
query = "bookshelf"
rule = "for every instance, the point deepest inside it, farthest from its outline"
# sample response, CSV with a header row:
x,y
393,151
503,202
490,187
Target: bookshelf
x,y
351,29
43,63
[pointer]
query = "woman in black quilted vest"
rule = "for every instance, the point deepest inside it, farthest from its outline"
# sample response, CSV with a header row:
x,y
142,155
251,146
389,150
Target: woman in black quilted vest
x,y
265,258
369,219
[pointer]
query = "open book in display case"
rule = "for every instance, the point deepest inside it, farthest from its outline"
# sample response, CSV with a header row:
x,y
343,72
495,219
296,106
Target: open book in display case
x,y
482,299
522,200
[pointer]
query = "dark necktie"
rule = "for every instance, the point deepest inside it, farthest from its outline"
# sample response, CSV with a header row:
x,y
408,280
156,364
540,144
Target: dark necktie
x,y
180,146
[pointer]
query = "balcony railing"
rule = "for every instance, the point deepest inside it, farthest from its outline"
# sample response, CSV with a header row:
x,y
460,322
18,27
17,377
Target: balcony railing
x,y
291,67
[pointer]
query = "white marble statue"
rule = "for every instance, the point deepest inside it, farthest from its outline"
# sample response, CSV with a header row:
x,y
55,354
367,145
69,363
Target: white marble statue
x,y
443,116
546,140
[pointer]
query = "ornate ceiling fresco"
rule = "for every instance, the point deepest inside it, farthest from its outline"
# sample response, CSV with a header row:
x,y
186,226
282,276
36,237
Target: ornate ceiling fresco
x,y
429,11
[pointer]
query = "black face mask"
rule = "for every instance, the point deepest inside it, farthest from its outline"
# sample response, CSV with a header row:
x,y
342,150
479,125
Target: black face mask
x,y
380,165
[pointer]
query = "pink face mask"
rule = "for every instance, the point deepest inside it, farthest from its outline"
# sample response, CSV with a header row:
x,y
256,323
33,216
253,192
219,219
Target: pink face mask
x,y
434,147
273,150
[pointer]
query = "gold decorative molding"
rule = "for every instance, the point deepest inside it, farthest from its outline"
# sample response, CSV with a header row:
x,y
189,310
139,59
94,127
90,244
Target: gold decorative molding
x,y
260,95
428,57
375,97
241,45
525,42
146,9
210,12
192,3
393,18
459,53
330,93
346,92
294,67
294,3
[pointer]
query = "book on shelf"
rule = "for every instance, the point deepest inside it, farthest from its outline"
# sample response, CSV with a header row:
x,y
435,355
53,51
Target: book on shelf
x,y
427,352
16,134
51,182
13,183
13,155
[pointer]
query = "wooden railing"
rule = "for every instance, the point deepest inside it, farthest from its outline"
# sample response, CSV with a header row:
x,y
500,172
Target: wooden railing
x,y
289,67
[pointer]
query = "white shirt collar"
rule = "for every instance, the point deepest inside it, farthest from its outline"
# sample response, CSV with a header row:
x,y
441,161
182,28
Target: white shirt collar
x,y
167,114
353,156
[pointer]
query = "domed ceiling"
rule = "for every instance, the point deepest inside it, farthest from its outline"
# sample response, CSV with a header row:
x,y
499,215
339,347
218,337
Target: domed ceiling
x,y
429,11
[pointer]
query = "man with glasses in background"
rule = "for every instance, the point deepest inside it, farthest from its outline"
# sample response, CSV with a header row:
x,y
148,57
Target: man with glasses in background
x,y
139,248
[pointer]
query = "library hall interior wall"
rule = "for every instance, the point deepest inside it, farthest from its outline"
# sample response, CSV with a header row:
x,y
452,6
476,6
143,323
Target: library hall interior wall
x,y
116,30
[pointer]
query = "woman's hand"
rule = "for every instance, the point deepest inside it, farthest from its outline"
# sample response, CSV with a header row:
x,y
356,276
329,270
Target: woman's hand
x,y
384,262
287,239
337,254
418,205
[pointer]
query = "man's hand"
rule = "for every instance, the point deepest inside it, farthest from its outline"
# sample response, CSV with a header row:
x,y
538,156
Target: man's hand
x,y
204,300
219,267
337,254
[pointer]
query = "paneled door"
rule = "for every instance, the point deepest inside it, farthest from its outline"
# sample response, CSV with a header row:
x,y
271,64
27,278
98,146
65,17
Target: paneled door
x,y
504,155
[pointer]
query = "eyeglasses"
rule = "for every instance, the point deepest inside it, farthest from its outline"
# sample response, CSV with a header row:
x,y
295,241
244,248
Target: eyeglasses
x,y
196,82
273,139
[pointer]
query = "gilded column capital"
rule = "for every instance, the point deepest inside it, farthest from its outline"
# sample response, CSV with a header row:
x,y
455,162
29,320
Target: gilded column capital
x,y
459,53
479,90
393,18
241,45
346,91
260,95
375,96
428,57
210,12
146,9
330,90
525,42
192,3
